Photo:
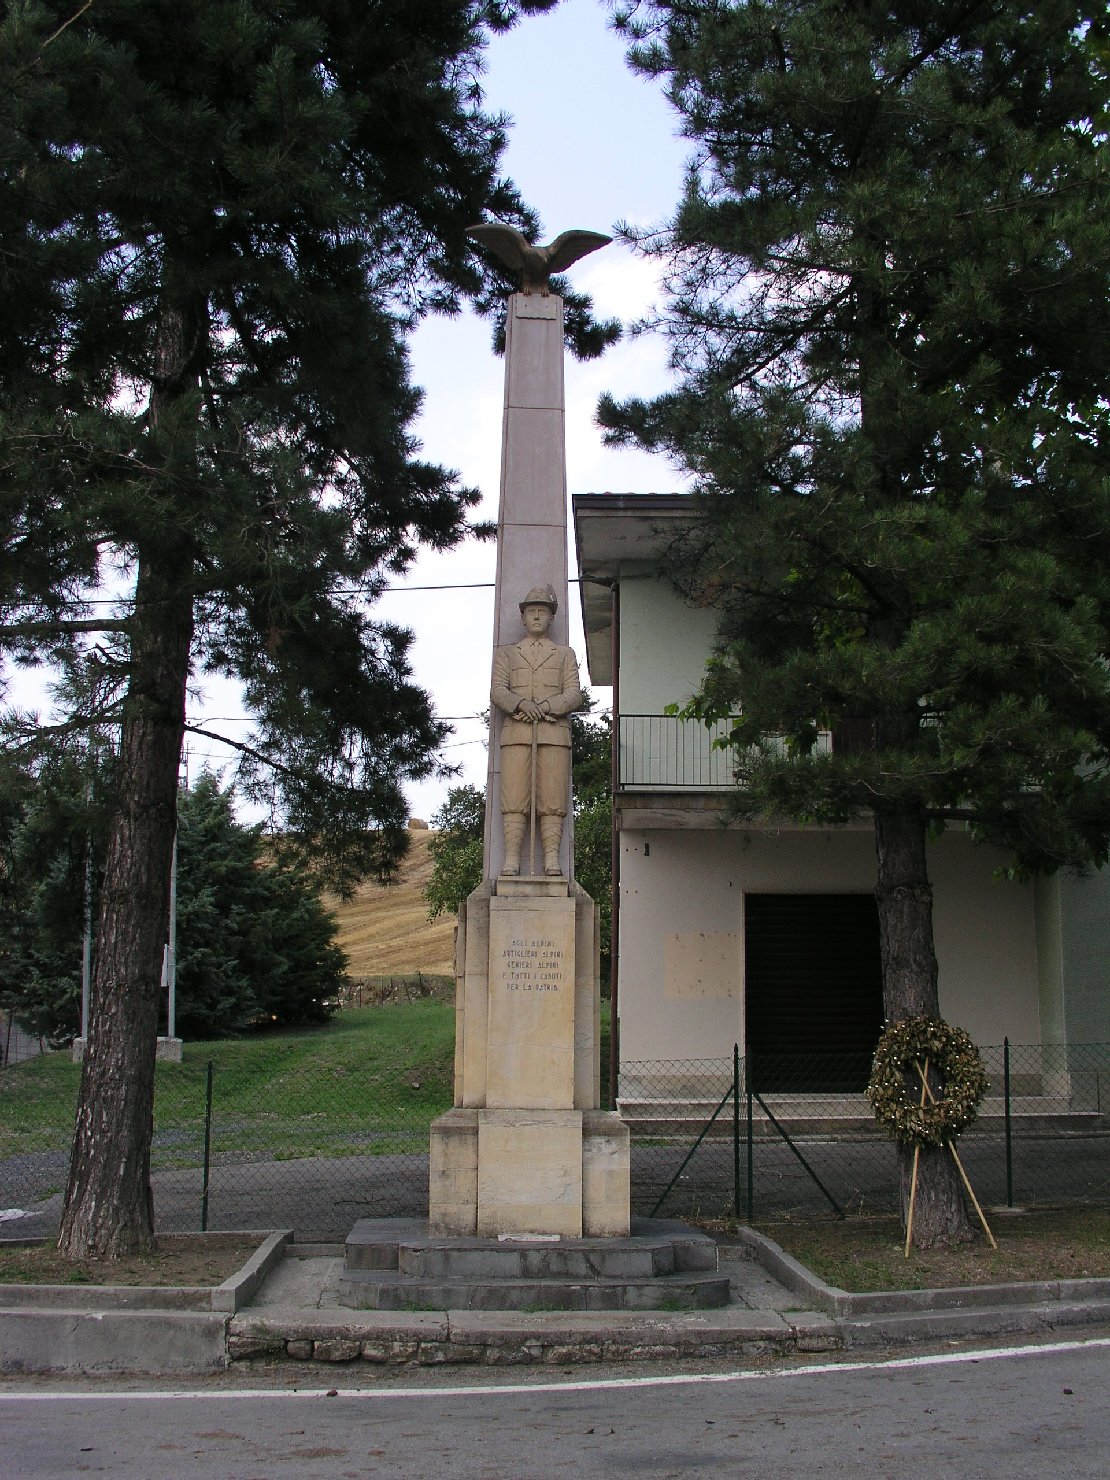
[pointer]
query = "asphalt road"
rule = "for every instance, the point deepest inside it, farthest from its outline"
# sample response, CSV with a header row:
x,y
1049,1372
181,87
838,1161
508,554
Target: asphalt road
x,y
1014,1412
322,1197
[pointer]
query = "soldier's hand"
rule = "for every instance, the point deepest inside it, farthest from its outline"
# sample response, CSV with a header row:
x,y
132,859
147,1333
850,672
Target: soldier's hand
x,y
529,709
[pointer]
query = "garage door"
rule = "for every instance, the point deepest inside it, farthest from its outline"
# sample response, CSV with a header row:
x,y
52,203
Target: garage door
x,y
813,991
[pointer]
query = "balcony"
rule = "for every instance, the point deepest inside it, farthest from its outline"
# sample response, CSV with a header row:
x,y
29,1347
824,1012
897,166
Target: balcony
x,y
661,752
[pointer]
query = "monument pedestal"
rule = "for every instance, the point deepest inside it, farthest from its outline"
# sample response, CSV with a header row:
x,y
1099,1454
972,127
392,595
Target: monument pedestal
x,y
526,1149
397,1264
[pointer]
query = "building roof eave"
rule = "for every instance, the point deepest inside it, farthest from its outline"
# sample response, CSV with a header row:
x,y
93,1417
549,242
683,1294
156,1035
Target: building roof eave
x,y
612,530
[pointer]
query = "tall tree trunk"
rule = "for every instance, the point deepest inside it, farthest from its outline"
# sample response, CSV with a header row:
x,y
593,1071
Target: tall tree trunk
x,y
109,1209
108,1205
905,903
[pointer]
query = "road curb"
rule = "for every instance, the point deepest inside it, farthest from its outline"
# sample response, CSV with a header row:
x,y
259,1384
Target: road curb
x,y
49,1336
510,1338
236,1291
112,1341
1032,1294
888,1329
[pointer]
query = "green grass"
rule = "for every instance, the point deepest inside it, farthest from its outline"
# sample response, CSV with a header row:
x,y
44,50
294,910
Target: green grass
x,y
370,1081
318,1091
868,1253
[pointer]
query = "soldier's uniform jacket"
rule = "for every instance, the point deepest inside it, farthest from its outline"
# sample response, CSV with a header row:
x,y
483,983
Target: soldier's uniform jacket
x,y
536,669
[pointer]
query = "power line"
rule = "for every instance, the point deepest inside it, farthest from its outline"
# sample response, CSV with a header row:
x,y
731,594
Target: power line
x,y
401,590
249,719
79,604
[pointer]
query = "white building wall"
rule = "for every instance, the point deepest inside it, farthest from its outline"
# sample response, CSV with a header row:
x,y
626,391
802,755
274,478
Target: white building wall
x,y
679,888
664,645
1073,957
682,932
985,930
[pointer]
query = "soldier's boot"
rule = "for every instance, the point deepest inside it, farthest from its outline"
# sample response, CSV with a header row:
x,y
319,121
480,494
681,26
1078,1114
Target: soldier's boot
x,y
551,834
514,836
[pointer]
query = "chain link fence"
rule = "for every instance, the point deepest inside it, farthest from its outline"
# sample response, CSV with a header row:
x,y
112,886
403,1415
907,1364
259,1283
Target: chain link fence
x,y
729,1137
305,1148
315,1149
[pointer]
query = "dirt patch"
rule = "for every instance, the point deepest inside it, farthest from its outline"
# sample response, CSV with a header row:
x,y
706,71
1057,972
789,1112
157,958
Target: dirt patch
x,y
181,1260
385,991
385,928
861,1254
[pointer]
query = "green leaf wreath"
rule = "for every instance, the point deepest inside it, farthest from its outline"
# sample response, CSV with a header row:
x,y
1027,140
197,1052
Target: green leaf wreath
x,y
895,1087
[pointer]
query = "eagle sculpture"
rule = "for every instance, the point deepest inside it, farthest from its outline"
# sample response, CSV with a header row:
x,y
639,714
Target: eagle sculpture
x,y
535,264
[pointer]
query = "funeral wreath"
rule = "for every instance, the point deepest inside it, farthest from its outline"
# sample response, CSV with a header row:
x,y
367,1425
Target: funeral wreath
x,y
895,1090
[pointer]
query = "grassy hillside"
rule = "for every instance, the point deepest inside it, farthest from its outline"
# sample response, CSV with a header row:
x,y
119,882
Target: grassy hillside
x,y
291,1093
385,929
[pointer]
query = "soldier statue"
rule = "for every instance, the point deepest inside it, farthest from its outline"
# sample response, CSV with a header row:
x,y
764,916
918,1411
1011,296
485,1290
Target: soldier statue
x,y
536,685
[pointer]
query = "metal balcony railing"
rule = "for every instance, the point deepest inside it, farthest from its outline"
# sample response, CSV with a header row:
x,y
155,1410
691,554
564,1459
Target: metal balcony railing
x,y
661,752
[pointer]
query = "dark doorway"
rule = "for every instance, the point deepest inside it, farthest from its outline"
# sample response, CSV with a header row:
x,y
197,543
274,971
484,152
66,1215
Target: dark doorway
x,y
813,991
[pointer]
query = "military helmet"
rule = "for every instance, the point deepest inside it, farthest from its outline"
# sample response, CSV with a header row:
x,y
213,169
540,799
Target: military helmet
x,y
541,596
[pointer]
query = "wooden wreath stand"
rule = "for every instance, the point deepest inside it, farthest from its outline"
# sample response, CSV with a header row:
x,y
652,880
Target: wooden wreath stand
x,y
926,1092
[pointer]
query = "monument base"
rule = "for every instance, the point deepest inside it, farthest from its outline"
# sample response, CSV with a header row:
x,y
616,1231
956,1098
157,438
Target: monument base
x,y
531,1171
526,1150
397,1264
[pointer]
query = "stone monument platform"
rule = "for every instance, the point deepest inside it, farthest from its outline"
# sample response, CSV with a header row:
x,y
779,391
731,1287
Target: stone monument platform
x,y
397,1264
526,1149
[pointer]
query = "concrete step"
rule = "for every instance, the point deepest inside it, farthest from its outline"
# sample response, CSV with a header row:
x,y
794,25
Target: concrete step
x,y
395,1264
478,1259
392,1290
654,1247
685,1119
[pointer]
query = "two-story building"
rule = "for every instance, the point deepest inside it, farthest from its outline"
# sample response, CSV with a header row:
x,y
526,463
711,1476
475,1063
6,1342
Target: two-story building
x,y
767,936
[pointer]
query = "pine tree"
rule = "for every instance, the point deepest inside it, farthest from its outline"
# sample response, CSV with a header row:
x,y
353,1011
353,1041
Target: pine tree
x,y
310,967
255,945
52,823
222,963
219,220
888,307
592,739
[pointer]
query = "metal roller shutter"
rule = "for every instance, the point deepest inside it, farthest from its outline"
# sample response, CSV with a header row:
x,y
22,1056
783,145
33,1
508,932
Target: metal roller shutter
x,y
813,991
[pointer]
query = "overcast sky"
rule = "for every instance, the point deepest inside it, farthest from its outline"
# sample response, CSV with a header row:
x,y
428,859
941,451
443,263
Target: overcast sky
x,y
590,144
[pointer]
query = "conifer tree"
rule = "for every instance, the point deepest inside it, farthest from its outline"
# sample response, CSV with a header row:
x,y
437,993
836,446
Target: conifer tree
x,y
887,299
218,222
53,816
255,944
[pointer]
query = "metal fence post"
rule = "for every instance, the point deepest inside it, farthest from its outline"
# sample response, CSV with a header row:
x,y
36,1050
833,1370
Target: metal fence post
x,y
207,1149
1008,1122
736,1129
751,1168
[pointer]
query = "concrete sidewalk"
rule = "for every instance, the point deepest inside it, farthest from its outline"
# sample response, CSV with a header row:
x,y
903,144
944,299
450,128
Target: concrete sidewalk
x,y
284,1306
297,1314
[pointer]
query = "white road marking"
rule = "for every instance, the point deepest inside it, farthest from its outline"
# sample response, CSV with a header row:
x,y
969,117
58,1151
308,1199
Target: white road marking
x,y
608,1384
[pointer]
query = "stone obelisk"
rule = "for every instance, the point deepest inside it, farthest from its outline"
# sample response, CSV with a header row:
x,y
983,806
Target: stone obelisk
x,y
526,1148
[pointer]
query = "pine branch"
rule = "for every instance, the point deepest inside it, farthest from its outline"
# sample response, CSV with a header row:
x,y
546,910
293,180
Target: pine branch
x,y
249,750
76,16
950,32
63,627
31,737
